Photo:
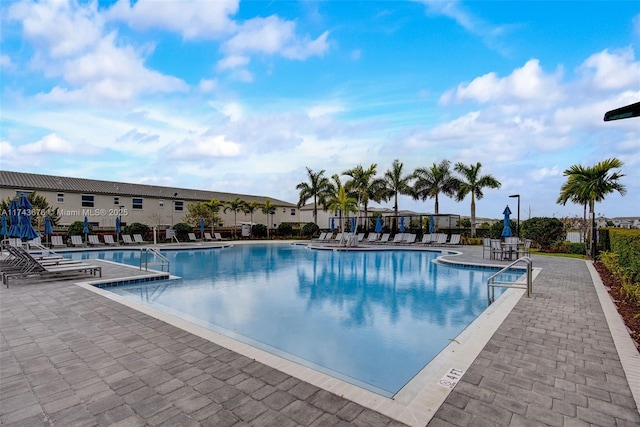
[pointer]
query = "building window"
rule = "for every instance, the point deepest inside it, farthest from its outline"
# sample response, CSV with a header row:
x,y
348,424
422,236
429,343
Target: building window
x,y
87,201
136,203
161,203
178,205
293,212
60,198
116,200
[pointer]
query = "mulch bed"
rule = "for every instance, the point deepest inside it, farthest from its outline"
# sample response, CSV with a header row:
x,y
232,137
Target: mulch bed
x,y
628,309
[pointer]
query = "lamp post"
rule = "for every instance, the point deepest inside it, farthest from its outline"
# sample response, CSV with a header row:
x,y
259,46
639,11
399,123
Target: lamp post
x,y
518,226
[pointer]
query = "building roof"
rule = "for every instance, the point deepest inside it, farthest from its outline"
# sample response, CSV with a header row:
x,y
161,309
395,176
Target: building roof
x,y
37,182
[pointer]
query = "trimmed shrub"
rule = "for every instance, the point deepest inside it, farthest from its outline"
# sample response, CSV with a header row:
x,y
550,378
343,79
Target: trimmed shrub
x,y
626,243
259,230
137,228
310,229
76,227
182,230
543,231
285,229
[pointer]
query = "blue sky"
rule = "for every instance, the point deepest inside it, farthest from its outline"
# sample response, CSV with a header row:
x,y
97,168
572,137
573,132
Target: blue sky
x,y
243,96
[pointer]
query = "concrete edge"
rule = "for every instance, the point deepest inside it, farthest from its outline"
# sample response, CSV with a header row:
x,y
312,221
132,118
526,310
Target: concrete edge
x,y
627,351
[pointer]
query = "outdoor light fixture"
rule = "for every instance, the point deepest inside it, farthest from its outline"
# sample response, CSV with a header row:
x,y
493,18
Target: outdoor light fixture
x,y
518,226
632,110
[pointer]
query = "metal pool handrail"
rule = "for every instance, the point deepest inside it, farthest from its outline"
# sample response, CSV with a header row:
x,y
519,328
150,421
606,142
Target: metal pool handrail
x,y
144,259
492,283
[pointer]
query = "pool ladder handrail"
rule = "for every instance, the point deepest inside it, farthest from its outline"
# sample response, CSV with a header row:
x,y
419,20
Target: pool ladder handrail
x,y
144,259
492,283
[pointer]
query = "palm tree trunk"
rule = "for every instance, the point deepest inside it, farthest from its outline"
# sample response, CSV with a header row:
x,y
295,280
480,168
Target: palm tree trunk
x,y
473,215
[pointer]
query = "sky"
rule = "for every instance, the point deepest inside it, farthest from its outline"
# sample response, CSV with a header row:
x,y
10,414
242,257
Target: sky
x,y
243,96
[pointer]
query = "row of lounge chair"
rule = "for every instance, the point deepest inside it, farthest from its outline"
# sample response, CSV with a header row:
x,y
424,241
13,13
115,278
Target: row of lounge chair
x,y
21,263
434,239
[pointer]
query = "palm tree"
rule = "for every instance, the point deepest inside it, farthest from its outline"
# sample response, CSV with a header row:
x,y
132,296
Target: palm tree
x,y
364,186
250,208
588,185
235,205
214,205
268,208
343,203
316,188
472,182
431,181
396,183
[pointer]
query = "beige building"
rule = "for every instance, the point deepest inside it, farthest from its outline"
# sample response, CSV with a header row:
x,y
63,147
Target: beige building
x,y
104,201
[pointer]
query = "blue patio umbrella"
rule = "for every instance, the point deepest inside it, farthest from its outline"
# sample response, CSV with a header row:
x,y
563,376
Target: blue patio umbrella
x,y
85,228
3,230
118,229
47,225
14,230
48,230
402,224
333,225
353,224
201,226
378,228
506,231
432,224
27,232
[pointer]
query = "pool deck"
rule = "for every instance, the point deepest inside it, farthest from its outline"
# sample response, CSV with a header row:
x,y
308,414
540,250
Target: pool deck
x,y
71,356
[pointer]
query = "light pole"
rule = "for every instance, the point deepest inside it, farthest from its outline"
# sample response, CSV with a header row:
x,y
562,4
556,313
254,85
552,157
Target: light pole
x,y
518,226
173,207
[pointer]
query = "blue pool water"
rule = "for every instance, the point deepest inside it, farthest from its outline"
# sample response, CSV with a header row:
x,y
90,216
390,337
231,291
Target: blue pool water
x,y
374,319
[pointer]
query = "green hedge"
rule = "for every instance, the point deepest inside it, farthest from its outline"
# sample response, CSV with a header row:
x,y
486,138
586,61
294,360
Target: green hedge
x,y
626,243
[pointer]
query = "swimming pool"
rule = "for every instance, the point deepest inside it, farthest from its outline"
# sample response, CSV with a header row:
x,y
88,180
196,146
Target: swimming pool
x,y
373,319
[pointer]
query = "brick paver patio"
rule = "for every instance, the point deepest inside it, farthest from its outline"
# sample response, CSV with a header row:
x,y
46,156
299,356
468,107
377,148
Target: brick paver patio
x,y
69,356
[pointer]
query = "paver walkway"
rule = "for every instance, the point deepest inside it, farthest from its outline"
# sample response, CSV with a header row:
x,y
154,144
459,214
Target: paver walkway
x,y
69,356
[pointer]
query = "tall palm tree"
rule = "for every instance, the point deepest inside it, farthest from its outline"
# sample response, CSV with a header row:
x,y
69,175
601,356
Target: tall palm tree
x,y
343,203
471,182
214,205
234,205
364,186
268,208
316,188
396,183
250,208
431,181
588,185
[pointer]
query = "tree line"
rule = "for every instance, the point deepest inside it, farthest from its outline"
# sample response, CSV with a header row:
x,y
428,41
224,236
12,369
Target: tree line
x,y
584,185
363,185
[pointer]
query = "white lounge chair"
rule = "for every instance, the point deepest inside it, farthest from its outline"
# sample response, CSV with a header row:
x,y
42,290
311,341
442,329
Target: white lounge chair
x,y
77,241
409,239
398,238
56,242
126,239
207,236
137,238
217,236
108,239
384,239
373,237
454,240
192,237
94,240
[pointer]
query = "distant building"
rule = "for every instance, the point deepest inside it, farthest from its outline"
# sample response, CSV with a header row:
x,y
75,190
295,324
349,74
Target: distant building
x,y
103,201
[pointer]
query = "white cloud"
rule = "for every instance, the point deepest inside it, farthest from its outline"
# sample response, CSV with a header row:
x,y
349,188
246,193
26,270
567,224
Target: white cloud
x,y
528,83
204,146
207,85
542,174
190,18
270,36
611,70
6,63
61,28
49,144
